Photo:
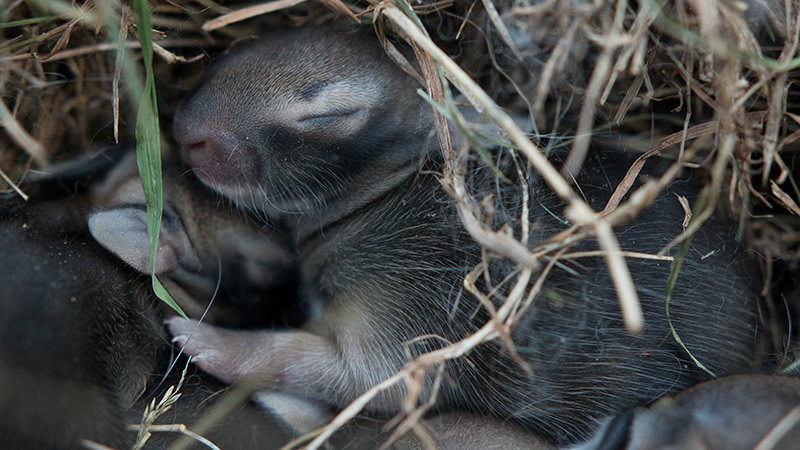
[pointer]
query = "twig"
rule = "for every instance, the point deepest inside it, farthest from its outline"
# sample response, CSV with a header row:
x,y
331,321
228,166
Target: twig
x,y
109,46
635,255
600,74
248,13
13,185
789,421
21,137
484,104
179,428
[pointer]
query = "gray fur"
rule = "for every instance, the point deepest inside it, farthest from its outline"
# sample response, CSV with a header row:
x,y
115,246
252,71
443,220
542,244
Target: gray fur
x,y
738,412
383,254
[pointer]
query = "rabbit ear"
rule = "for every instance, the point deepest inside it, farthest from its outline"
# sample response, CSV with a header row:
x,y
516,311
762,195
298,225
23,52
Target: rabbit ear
x,y
123,232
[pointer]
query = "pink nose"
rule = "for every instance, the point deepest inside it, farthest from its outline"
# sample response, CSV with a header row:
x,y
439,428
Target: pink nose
x,y
215,153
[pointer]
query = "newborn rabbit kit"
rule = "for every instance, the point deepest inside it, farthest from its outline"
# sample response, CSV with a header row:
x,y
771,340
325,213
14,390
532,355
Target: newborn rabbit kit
x,y
84,349
316,130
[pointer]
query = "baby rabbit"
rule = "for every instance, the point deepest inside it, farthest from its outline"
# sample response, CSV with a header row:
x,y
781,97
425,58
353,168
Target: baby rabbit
x,y
738,412
315,128
81,331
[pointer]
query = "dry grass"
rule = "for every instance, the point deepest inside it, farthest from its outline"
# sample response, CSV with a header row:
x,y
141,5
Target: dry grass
x,y
702,82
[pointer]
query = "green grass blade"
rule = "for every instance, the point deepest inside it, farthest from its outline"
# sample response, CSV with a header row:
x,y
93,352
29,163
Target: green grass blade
x,y
148,146
31,21
673,278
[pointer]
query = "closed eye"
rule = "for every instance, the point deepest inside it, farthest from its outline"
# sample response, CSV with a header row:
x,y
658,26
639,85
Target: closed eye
x,y
329,118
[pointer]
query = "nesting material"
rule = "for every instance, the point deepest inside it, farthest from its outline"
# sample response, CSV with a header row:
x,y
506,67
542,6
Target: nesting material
x,y
709,83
